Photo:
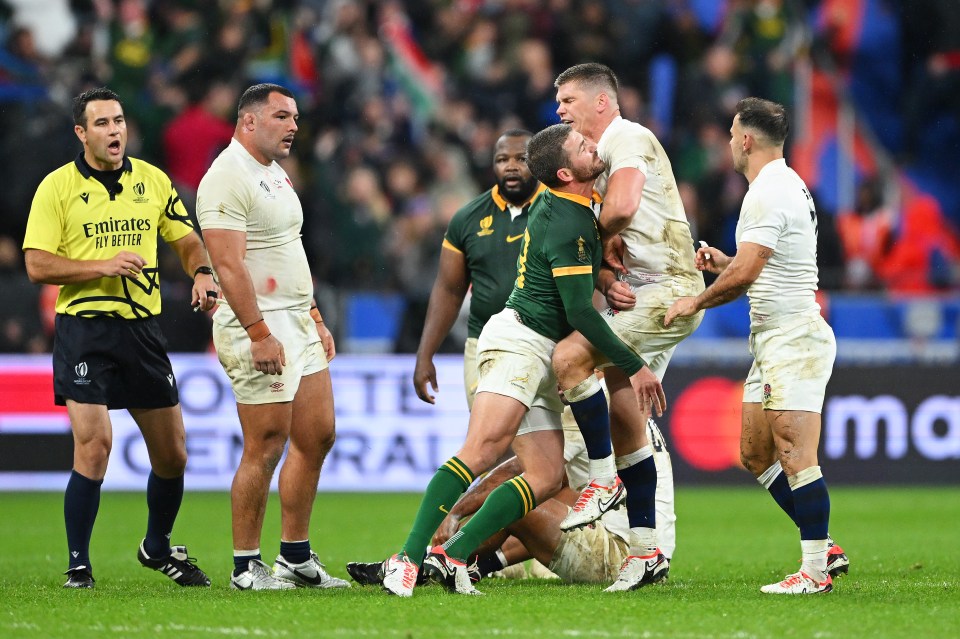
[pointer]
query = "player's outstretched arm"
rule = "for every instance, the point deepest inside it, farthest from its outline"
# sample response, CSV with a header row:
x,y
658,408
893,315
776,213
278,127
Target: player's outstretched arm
x,y
446,298
44,267
741,271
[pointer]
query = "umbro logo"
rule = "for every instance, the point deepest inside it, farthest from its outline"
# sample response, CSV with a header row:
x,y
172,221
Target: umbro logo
x,y
85,197
276,387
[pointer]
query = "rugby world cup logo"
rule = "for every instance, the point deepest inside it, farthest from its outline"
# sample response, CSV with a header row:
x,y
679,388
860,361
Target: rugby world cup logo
x,y
81,371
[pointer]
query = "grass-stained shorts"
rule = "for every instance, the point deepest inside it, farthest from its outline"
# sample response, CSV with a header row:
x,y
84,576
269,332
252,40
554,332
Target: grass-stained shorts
x,y
302,349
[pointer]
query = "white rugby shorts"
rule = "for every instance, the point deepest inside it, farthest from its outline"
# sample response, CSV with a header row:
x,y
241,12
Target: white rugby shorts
x,y
302,350
641,328
792,364
514,360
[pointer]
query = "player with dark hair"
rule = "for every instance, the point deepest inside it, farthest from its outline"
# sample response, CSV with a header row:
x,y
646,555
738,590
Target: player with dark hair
x,y
93,230
792,346
270,338
552,295
647,242
479,253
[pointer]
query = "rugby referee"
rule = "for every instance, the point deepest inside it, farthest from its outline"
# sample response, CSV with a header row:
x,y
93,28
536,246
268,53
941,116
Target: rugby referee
x,y
92,231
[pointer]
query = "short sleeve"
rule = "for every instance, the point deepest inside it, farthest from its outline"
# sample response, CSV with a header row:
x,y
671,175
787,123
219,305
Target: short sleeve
x,y
221,203
629,149
175,222
456,231
45,223
761,223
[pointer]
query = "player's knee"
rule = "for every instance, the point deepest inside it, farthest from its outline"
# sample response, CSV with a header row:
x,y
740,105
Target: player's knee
x,y
94,450
571,363
327,441
754,461
266,449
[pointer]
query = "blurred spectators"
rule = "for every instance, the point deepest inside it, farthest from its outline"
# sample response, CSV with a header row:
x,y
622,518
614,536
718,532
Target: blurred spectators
x,y
20,330
866,233
926,255
193,138
402,101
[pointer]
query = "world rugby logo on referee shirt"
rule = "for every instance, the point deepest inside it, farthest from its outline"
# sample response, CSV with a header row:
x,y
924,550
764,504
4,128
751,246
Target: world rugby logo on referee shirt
x,y
139,189
81,371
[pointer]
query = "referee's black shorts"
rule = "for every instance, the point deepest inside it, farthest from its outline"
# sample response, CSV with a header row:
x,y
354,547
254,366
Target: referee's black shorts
x,y
117,362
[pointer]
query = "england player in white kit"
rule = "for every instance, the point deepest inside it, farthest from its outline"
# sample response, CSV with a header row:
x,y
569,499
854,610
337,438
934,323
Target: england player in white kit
x,y
270,339
643,224
792,346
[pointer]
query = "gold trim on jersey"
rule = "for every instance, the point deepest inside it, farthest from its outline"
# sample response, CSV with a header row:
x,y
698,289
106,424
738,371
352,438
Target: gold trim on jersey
x,y
572,270
579,199
448,245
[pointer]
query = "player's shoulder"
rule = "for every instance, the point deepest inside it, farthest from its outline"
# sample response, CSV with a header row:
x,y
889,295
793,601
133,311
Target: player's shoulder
x,y
626,138
62,182
483,204
622,129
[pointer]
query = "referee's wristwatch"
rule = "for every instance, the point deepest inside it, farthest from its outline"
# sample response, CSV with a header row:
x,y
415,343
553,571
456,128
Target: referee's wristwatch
x,y
206,270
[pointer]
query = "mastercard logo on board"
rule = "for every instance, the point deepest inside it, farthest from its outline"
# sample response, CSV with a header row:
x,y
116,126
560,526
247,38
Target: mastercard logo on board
x,y
705,424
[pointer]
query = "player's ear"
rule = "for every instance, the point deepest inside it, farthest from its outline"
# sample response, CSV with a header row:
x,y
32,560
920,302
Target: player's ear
x,y
81,133
565,174
249,121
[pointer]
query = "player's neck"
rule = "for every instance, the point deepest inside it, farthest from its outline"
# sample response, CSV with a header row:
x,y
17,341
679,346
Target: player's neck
x,y
583,189
759,159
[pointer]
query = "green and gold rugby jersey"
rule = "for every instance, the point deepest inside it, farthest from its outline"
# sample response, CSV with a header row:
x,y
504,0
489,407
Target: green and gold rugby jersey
x,y
73,215
489,237
556,273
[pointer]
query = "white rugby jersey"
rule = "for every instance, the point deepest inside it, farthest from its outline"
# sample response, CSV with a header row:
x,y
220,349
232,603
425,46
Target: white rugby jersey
x,y
658,244
240,194
778,213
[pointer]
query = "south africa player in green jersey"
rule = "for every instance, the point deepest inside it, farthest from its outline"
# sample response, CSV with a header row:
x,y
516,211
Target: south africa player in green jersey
x,y
552,296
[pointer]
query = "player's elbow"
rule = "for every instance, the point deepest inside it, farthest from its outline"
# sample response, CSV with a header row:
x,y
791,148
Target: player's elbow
x,y
34,266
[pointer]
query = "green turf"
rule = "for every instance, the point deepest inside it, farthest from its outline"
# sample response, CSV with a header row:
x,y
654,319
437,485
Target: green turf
x,y
904,545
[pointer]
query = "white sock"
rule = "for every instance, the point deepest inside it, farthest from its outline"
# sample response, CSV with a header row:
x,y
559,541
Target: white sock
x,y
643,541
637,456
603,471
814,558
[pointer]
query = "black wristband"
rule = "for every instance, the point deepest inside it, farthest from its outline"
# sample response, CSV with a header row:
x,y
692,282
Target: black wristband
x,y
206,270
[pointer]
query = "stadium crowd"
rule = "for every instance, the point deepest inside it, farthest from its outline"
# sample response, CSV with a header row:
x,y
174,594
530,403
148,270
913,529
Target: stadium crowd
x,y
402,102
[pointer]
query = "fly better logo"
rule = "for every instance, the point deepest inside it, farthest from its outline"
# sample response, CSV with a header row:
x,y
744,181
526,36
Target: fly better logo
x,y
81,371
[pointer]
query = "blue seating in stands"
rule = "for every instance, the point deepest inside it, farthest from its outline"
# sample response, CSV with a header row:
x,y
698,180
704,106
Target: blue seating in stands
x,y
372,321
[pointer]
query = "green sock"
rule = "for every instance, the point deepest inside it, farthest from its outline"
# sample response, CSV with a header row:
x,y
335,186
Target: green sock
x,y
509,502
444,489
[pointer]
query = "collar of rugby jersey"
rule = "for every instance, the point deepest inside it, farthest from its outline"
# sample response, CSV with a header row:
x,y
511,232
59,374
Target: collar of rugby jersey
x,y
85,170
579,199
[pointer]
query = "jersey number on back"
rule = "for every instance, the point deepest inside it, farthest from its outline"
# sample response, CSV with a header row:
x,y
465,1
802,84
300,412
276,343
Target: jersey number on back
x,y
813,211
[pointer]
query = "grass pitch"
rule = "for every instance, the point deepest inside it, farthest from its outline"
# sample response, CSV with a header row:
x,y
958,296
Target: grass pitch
x,y
903,582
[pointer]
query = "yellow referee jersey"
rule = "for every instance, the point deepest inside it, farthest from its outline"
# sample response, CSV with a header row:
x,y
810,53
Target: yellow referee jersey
x,y
74,216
